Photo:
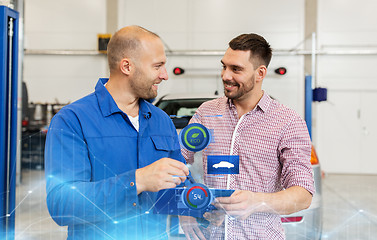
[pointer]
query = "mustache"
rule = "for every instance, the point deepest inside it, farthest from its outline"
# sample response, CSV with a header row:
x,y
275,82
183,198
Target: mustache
x,y
230,83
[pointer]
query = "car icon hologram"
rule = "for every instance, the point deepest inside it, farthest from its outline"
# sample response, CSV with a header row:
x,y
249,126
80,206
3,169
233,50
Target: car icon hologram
x,y
223,164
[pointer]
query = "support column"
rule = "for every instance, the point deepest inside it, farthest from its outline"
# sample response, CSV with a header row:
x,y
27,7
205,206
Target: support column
x,y
112,16
310,27
310,61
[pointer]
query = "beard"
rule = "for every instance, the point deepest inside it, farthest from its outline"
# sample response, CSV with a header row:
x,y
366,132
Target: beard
x,y
141,86
240,91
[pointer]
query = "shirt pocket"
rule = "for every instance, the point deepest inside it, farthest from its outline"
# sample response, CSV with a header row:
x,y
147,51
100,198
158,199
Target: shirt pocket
x,y
164,143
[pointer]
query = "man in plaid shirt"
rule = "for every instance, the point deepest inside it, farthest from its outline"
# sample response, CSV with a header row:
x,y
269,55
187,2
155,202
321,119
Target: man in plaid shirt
x,y
272,142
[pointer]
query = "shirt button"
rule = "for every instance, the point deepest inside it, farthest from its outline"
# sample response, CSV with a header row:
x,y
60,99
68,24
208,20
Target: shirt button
x,y
134,204
132,184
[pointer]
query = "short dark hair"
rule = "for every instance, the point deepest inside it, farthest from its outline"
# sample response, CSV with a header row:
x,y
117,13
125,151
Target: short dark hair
x,y
260,50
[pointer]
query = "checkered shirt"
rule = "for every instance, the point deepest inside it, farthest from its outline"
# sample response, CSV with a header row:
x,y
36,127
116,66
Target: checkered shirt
x,y
274,148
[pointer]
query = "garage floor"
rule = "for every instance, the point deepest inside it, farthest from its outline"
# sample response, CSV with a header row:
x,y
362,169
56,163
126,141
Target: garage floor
x,y
350,208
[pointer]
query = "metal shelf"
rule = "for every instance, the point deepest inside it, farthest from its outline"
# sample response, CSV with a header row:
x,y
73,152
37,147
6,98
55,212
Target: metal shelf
x,y
185,53
64,52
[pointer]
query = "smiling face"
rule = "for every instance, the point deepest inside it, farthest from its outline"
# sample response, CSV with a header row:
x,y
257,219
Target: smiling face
x,y
238,74
150,68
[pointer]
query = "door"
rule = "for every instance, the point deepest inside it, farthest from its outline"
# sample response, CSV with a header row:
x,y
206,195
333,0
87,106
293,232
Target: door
x,y
347,132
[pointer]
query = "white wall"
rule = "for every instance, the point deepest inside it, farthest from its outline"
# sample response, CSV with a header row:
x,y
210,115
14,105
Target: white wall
x,y
210,25
346,129
71,25
183,25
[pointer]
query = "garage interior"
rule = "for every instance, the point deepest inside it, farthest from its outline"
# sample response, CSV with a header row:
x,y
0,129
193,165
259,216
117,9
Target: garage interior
x,y
333,42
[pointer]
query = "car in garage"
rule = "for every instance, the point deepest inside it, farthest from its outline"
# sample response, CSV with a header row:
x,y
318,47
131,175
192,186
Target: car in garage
x,y
306,224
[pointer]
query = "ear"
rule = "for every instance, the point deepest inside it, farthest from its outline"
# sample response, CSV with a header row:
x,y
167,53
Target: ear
x,y
125,66
261,72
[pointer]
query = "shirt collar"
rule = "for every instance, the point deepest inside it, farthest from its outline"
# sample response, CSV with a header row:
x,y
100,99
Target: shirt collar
x,y
144,110
108,106
105,100
263,103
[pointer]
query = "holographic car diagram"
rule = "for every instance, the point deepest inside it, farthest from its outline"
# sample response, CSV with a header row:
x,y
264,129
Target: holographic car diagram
x,y
223,164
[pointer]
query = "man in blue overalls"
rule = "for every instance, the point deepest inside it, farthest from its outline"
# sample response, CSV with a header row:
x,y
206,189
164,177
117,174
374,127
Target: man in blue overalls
x,y
109,153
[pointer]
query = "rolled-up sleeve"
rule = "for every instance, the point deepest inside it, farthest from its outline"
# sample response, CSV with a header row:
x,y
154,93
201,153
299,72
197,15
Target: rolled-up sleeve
x,y
294,154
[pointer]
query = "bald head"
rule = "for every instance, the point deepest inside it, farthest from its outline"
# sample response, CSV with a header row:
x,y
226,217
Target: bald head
x,y
126,43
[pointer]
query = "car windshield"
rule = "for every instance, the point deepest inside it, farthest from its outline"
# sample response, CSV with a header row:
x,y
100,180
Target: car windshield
x,y
181,110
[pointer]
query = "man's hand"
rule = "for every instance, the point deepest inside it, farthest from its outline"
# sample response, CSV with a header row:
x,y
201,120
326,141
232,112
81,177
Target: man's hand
x,y
241,204
191,228
215,217
162,174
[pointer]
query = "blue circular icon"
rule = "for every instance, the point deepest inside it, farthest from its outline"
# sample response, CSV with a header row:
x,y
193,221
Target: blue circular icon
x,y
195,137
197,196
